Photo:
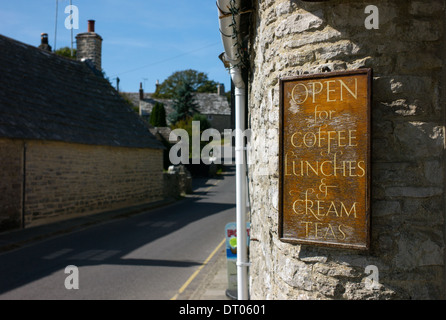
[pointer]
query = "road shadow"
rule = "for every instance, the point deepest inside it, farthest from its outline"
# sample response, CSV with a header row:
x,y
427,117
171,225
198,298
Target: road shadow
x,y
112,242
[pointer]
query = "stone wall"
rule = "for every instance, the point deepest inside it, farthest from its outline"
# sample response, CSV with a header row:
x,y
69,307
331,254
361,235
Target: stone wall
x,y
407,55
68,179
89,47
11,177
65,180
177,182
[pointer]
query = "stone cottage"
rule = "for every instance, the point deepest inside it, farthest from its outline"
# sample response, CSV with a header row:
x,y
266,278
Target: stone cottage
x,y
403,44
69,144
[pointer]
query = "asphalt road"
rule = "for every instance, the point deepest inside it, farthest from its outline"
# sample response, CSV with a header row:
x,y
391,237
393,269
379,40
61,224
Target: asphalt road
x,y
147,256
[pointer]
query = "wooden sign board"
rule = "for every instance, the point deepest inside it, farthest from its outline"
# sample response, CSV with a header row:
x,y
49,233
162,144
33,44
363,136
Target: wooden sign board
x,y
325,159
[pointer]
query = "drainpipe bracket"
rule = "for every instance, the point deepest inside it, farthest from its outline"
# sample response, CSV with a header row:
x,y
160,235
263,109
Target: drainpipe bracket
x,y
243,264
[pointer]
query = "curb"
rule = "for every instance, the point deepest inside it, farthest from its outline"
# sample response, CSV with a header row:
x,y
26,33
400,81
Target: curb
x,y
214,284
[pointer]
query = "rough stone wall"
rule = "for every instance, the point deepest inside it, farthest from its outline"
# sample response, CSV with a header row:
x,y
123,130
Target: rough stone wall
x,y
177,182
64,180
89,46
11,177
407,54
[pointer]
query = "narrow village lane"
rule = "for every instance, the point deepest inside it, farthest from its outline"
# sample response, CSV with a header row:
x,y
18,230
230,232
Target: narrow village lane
x,y
147,256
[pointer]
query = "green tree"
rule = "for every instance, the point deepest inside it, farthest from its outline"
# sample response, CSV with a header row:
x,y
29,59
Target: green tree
x,y
209,86
204,122
184,104
198,82
158,116
66,52
186,124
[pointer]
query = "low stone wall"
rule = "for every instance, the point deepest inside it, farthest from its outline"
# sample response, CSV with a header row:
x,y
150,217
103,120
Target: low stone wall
x,y
177,182
64,180
11,181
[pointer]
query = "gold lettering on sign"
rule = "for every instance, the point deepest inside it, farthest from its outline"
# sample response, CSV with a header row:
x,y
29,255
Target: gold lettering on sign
x,y
324,160
301,92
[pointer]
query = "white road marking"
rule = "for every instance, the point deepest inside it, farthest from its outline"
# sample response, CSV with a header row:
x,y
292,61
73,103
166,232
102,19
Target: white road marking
x,y
57,254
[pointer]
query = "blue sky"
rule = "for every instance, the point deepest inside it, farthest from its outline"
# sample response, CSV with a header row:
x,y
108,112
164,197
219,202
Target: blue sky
x,y
144,40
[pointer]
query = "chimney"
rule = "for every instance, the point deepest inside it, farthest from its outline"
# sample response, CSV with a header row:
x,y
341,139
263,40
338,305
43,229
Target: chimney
x,y
89,46
141,92
91,25
44,42
221,89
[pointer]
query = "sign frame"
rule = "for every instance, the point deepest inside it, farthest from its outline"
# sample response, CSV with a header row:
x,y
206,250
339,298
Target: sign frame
x,y
365,72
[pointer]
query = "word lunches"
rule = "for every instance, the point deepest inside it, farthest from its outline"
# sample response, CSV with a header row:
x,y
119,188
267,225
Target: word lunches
x,y
324,159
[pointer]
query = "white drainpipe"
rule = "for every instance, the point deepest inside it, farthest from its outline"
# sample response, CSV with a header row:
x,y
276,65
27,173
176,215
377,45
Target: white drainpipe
x,y
233,59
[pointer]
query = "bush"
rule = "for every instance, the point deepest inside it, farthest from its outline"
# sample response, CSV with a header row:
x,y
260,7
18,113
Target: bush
x,y
158,116
186,124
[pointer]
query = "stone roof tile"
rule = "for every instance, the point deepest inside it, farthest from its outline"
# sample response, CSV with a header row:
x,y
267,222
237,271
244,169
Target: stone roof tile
x,y
47,97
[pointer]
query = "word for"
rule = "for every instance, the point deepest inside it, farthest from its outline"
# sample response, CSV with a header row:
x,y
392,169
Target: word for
x,y
72,21
72,281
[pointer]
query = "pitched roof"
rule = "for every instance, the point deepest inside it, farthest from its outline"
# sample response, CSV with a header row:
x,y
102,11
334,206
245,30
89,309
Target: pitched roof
x,y
213,103
47,97
148,102
208,103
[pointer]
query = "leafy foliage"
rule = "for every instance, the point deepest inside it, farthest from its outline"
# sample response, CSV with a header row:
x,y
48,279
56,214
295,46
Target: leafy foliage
x,y
186,124
198,82
184,104
66,52
204,122
158,116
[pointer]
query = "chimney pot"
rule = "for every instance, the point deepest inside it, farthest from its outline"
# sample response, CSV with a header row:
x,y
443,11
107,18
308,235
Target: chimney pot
x,y
221,89
44,38
141,92
91,25
44,42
